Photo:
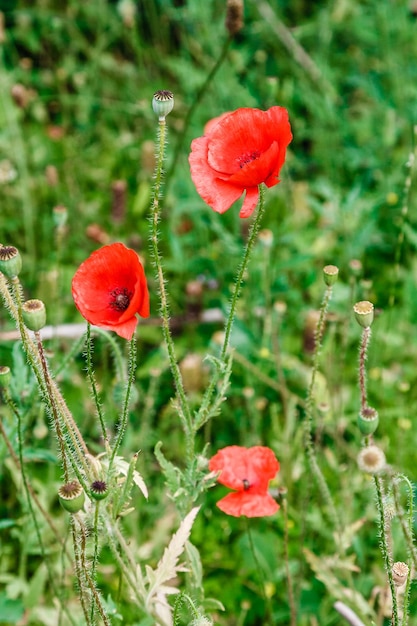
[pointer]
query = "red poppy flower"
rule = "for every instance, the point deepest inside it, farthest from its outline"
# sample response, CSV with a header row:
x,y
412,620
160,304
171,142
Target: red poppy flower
x,y
109,288
247,471
238,152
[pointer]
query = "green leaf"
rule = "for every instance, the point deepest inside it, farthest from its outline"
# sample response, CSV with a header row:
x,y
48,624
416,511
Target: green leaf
x,y
11,611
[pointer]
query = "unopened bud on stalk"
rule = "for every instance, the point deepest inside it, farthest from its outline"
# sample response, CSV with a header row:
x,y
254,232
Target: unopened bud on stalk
x,y
368,420
99,490
399,573
10,261
234,16
330,274
34,314
163,103
364,313
5,376
71,496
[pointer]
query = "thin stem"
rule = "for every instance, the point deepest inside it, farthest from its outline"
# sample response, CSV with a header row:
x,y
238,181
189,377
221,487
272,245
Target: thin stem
x,y
184,409
384,544
206,401
92,379
125,414
261,575
79,572
309,406
366,337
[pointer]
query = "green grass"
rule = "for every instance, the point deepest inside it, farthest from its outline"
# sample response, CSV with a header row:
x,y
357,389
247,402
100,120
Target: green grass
x,y
89,79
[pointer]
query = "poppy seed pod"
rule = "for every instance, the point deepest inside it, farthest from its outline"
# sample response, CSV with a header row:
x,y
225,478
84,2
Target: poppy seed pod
x,y
10,261
368,420
5,376
34,314
99,490
364,313
71,496
163,103
330,274
400,573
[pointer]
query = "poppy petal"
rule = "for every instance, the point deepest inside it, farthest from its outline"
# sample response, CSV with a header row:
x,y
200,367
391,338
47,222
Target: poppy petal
x,y
250,202
250,505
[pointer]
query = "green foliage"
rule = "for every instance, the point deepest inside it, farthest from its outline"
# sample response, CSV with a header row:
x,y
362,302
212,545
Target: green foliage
x,y
86,73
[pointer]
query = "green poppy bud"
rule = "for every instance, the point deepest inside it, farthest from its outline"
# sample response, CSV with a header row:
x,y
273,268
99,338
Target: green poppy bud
x,y
5,376
330,274
368,420
163,103
99,490
34,314
71,496
364,313
10,261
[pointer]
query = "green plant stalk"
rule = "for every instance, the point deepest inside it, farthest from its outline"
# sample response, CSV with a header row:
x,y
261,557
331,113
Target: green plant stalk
x,y
198,97
92,379
95,596
261,576
256,224
406,525
407,529
95,555
79,573
48,388
125,414
29,492
384,547
366,337
308,437
183,408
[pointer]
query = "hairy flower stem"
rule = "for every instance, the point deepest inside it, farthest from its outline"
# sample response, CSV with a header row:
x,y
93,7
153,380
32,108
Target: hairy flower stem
x,y
309,410
125,414
79,573
92,379
198,97
183,406
406,523
384,544
95,596
204,410
261,575
30,494
366,337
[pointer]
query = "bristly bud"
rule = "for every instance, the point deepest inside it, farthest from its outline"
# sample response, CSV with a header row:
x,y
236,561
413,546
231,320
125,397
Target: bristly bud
x,y
371,460
399,573
99,490
368,420
10,261
163,103
234,16
364,313
34,314
5,376
71,496
330,274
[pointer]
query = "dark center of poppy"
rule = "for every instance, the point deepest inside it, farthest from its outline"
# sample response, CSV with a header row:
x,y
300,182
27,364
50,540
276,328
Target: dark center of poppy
x,y
244,159
246,484
120,299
